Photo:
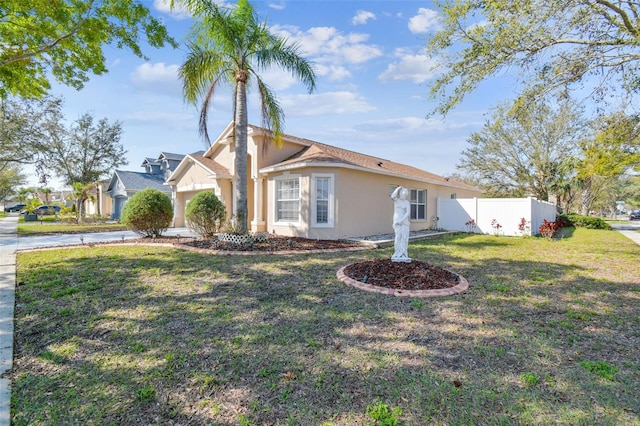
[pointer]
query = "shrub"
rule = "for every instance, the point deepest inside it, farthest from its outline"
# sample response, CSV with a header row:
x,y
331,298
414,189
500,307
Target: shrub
x,y
590,222
205,214
549,229
148,212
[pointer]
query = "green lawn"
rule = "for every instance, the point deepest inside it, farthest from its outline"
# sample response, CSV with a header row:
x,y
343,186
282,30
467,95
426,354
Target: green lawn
x,y
50,227
548,333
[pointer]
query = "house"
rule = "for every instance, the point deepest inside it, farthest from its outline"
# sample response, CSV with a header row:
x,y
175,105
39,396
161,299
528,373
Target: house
x,y
123,184
310,189
165,164
101,204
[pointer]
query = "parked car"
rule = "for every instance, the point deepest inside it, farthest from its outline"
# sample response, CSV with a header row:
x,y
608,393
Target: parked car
x,y
44,210
634,215
15,208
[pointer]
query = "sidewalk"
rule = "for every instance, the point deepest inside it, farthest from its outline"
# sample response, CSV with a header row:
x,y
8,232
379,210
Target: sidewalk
x,y
631,231
8,247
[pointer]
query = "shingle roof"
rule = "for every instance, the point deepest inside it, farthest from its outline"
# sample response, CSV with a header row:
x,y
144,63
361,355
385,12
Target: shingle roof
x,y
219,170
151,161
136,181
171,156
322,153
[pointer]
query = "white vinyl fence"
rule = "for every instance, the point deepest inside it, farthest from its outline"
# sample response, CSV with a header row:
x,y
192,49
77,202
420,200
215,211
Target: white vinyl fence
x,y
501,216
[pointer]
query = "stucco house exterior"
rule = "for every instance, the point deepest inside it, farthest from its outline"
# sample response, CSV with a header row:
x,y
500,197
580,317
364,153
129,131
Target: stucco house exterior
x,y
310,189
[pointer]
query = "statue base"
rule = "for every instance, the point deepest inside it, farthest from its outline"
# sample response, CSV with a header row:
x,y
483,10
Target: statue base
x,y
401,259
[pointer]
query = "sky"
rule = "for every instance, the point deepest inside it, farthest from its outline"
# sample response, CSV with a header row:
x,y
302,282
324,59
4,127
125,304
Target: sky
x,y
372,78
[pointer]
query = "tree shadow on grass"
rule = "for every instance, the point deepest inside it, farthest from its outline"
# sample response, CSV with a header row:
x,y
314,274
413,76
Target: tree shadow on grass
x,y
166,335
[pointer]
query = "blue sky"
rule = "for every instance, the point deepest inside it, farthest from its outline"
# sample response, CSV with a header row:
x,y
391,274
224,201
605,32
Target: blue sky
x,y
371,97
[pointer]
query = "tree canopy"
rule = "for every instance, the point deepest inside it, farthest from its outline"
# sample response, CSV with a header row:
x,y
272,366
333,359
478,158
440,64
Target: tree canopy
x,y
25,128
66,38
11,177
553,44
518,152
87,151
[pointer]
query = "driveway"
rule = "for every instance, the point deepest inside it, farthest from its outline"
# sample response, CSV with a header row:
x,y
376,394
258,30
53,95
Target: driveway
x,y
11,241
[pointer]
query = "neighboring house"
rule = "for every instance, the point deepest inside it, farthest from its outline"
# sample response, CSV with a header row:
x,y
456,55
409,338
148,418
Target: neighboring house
x,y
310,189
165,164
124,184
101,204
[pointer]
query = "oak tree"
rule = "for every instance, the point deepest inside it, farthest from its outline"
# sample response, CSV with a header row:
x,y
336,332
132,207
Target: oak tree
x,y
66,39
518,151
87,151
553,45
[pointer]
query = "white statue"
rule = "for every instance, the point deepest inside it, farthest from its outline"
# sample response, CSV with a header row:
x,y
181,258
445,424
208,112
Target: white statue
x,y
401,226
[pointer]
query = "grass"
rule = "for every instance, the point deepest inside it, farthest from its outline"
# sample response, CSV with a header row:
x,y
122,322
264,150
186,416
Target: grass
x,y
50,227
548,333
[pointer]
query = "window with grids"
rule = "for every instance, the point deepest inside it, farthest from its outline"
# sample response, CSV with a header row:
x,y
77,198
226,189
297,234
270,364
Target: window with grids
x,y
322,203
287,200
418,204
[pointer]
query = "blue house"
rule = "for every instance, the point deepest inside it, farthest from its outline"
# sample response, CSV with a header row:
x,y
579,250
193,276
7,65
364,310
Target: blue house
x,y
124,184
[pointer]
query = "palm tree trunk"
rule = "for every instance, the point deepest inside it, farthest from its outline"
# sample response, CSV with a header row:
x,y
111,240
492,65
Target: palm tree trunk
x,y
241,125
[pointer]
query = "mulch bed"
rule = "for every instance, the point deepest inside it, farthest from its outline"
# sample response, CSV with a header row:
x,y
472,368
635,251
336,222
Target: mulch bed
x,y
273,243
415,275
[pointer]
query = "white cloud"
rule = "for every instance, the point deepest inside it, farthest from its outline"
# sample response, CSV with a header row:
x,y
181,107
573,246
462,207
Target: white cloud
x,y
178,11
416,68
362,16
328,45
277,6
277,79
424,21
330,103
157,77
332,72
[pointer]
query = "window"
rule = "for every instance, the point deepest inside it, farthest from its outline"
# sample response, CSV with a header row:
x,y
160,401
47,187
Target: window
x,y
322,202
418,204
287,200
454,196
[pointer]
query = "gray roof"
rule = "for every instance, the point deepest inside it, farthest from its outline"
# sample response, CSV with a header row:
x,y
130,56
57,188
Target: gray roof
x,y
136,181
171,156
149,160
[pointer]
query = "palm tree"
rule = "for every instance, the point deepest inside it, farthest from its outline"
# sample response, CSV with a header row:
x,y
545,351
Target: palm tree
x,y
230,47
46,191
81,193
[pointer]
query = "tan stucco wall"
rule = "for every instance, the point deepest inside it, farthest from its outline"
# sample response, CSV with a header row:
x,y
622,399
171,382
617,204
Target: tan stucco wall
x,y
362,206
196,179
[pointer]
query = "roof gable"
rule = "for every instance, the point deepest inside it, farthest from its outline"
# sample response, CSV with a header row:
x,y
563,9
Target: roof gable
x,y
136,181
216,169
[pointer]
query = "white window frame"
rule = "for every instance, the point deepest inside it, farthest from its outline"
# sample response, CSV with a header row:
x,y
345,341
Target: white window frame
x,y
417,204
277,181
330,200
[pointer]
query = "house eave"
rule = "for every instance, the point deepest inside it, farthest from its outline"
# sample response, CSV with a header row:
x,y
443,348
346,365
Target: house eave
x,y
295,166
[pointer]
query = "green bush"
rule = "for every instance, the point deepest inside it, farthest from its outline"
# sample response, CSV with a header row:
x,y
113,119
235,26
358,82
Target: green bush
x,y
590,222
205,214
148,212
